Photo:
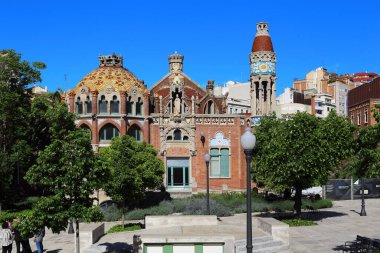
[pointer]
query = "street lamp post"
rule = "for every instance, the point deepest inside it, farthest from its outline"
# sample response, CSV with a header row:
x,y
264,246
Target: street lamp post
x,y
207,160
248,141
71,227
362,212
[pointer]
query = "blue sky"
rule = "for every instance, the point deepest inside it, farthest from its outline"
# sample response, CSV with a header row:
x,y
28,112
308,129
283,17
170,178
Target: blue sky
x,y
214,36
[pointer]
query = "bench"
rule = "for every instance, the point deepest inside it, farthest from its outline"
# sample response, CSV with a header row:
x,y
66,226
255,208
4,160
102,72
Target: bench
x,y
362,244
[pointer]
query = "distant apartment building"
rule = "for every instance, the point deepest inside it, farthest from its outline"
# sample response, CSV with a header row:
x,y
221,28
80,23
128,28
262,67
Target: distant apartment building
x,y
238,96
339,91
290,102
38,90
322,105
316,79
361,100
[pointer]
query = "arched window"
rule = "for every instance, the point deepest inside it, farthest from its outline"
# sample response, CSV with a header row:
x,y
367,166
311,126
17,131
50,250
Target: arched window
x,y
135,132
85,127
79,106
177,135
185,138
88,105
114,105
108,132
102,105
139,107
209,108
129,105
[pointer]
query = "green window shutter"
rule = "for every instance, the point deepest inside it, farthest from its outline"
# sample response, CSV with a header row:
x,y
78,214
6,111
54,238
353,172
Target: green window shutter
x,y
198,248
225,162
168,248
214,163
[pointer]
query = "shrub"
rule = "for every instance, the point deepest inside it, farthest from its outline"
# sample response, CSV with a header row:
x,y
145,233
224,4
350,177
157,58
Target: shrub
x,y
127,227
299,222
112,213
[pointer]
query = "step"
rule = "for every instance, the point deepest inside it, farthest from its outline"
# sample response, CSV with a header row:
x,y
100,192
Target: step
x,y
265,246
260,239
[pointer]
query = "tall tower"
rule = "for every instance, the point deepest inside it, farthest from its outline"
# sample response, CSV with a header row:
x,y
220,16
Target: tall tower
x,y
263,72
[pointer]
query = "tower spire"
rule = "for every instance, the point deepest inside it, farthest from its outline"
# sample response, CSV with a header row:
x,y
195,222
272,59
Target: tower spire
x,y
263,72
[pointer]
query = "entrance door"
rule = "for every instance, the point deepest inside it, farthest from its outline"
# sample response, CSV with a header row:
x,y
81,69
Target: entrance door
x,y
177,172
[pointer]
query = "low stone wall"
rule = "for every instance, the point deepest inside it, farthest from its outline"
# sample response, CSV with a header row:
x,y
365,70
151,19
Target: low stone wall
x,y
179,220
277,229
89,234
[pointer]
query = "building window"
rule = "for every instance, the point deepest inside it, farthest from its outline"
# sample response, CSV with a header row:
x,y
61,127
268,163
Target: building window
x,y
219,162
108,132
177,135
88,105
139,107
135,132
209,108
129,105
79,106
366,116
102,105
114,105
358,119
352,118
231,111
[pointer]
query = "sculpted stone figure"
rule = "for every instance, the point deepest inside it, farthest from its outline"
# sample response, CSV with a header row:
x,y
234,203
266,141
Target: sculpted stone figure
x,y
177,105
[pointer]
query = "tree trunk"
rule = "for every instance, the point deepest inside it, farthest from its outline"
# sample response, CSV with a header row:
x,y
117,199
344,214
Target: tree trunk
x,y
123,216
298,201
77,248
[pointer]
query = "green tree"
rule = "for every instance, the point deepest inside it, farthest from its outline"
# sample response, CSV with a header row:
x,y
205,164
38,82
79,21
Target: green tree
x,y
300,152
65,168
134,168
365,161
16,76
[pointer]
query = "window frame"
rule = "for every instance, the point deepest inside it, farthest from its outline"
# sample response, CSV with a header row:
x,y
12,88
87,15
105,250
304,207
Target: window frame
x,y
220,148
104,128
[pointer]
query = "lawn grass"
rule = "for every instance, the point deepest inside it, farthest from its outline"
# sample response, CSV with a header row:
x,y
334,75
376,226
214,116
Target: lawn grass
x,y
297,222
127,227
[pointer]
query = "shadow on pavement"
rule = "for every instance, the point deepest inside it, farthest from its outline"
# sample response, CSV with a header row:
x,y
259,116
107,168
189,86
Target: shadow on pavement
x,y
52,251
315,215
118,247
339,248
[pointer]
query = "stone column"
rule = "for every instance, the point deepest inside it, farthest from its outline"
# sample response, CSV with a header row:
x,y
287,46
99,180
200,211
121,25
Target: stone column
x,y
192,105
123,110
146,103
94,101
273,99
253,97
146,131
261,95
123,102
269,98
71,101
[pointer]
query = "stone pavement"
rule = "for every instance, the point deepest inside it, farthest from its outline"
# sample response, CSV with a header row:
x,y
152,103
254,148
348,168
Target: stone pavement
x,y
338,224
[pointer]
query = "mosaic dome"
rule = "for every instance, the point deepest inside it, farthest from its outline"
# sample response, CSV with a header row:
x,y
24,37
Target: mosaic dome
x,y
110,73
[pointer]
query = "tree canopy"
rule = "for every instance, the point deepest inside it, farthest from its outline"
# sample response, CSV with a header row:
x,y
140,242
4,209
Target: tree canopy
x,y
16,78
134,168
300,152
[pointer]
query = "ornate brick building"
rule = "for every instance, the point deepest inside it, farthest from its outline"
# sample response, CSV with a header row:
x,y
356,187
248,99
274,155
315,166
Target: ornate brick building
x,y
182,120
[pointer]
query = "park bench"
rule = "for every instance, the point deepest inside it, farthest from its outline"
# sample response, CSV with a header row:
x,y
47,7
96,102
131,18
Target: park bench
x,y
362,244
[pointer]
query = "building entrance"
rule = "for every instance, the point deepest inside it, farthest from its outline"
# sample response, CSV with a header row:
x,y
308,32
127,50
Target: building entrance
x,y
177,172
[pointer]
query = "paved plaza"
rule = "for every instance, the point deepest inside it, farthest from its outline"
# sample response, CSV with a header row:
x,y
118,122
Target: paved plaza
x,y
335,226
